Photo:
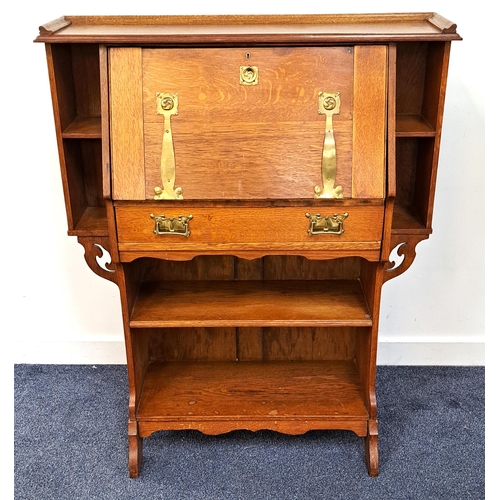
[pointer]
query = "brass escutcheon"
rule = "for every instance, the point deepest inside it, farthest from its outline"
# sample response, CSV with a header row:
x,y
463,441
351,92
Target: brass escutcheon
x,y
326,225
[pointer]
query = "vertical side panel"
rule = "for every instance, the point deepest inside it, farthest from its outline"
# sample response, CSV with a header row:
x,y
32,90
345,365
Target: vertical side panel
x,y
438,57
104,83
369,127
126,124
391,152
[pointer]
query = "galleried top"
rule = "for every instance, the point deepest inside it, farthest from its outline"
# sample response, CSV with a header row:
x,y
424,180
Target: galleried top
x,y
249,30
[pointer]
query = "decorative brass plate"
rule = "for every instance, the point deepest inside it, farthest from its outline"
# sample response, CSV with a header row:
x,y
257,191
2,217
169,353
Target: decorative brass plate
x,y
326,225
172,225
167,104
329,105
249,75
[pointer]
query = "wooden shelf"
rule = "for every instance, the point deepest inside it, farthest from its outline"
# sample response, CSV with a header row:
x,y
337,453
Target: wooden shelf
x,y
92,223
257,394
413,126
83,128
405,220
250,303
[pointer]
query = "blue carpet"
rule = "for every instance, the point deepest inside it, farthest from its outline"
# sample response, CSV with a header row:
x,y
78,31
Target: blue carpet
x,y
71,443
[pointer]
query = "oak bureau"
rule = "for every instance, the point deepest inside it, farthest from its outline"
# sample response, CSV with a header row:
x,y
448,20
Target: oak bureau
x,y
249,177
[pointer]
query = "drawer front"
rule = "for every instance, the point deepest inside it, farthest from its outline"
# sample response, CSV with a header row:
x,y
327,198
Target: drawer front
x,y
202,229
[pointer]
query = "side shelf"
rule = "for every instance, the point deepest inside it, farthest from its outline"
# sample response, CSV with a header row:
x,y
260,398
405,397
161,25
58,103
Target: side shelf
x,y
93,222
420,90
74,71
83,128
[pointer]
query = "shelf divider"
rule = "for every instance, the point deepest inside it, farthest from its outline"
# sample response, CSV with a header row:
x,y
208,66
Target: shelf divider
x,y
413,126
83,128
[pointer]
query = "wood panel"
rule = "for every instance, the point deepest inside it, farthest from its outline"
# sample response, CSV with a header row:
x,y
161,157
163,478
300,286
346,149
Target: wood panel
x,y
239,160
410,77
91,151
302,344
198,269
370,122
126,123
74,181
85,64
233,141
292,267
62,84
191,344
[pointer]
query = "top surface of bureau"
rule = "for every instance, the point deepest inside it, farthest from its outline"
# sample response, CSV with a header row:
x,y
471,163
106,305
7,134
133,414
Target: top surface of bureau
x,y
250,29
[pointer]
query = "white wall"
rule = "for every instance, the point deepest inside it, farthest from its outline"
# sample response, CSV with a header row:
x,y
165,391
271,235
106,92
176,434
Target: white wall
x,y
56,310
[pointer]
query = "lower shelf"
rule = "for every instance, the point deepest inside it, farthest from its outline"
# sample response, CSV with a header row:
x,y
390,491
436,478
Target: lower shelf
x,y
287,396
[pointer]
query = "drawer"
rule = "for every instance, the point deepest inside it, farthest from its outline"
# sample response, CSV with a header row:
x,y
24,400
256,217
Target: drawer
x,y
350,230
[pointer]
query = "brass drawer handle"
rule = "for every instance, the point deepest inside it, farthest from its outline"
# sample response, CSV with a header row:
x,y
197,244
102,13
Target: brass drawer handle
x,y
329,105
172,225
326,225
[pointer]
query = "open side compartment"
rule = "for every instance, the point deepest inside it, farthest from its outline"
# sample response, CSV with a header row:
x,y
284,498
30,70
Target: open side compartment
x,y
75,77
420,91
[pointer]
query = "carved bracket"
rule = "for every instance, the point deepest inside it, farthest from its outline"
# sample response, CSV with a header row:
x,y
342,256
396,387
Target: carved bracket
x,y
403,245
98,258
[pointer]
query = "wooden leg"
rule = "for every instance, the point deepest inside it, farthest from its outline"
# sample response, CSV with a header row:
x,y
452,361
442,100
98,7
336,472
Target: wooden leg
x,y
135,449
371,448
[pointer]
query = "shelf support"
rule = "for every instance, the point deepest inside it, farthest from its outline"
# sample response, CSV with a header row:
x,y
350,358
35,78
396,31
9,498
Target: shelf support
x,y
404,245
95,250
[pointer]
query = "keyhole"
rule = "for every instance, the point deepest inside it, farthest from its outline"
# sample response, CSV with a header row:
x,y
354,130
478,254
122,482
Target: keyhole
x,y
247,55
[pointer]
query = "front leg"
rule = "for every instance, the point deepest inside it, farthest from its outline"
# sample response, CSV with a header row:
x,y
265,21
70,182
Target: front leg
x,y
371,448
135,449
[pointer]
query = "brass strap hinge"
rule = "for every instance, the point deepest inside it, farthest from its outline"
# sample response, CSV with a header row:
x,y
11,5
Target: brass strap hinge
x,y
167,104
329,105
